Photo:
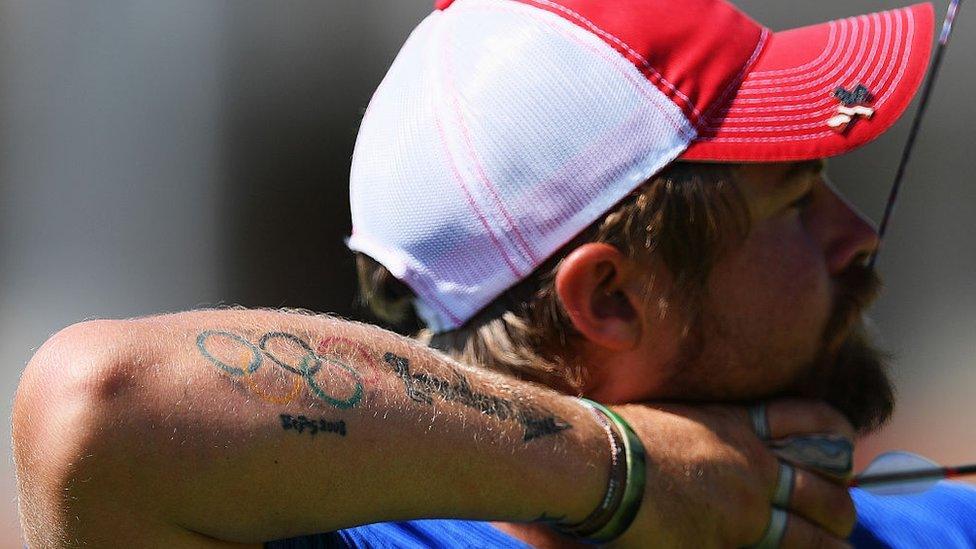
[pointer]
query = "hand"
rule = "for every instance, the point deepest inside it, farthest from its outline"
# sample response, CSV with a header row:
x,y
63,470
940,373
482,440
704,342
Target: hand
x,y
710,480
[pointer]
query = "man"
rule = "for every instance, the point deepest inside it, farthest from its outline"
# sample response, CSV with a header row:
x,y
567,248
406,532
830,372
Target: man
x,y
505,130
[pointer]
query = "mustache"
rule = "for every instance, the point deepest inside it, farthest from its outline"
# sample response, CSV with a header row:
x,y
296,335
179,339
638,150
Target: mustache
x,y
854,291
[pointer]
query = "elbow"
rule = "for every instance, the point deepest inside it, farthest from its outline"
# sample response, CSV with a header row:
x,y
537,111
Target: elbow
x,y
70,376
58,425
86,362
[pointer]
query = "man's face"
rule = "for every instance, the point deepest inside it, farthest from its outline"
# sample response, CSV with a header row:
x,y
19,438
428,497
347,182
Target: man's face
x,y
781,314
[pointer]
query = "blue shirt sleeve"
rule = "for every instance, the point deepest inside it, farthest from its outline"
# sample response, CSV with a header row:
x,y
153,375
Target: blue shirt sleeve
x,y
414,534
943,517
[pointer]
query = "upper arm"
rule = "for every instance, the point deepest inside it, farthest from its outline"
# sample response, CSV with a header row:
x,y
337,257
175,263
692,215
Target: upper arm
x,y
75,487
51,432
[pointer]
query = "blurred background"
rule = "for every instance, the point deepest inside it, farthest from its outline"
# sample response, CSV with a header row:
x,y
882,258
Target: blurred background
x,y
161,156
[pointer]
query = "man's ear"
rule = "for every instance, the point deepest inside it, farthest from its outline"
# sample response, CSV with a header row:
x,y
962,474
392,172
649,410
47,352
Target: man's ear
x,y
596,284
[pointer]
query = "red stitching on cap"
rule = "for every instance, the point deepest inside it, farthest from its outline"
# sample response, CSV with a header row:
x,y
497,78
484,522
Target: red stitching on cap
x,y
860,48
806,67
905,61
754,88
825,61
680,125
432,296
637,56
763,37
888,52
829,63
459,179
799,75
810,116
794,95
889,56
526,250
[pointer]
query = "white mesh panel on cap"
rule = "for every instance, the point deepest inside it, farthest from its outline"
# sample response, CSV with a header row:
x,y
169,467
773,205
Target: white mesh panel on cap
x,y
500,132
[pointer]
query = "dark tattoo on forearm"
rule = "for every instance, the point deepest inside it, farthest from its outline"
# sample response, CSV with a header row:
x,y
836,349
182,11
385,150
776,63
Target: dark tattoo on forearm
x,y
296,361
290,353
421,387
302,424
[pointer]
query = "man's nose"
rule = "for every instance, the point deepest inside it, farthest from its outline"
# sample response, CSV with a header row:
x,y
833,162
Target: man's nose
x,y
848,236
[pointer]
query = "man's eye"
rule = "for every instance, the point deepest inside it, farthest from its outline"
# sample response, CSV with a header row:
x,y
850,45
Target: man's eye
x,y
803,201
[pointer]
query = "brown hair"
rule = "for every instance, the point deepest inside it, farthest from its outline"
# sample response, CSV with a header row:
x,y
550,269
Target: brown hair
x,y
682,217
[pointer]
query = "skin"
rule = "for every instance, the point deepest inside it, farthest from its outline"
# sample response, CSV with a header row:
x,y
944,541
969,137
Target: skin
x,y
766,307
154,425
308,424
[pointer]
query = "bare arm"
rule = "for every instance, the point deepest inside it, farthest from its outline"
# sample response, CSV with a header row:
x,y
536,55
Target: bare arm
x,y
255,425
220,428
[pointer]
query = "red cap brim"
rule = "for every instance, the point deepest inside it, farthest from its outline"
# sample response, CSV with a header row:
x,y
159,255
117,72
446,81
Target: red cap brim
x,y
781,108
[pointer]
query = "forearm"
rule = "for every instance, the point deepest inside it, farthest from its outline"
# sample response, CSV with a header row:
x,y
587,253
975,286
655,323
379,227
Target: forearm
x,y
253,425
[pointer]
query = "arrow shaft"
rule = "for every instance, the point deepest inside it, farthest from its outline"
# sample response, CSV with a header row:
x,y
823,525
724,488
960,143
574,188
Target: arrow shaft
x,y
961,471
913,475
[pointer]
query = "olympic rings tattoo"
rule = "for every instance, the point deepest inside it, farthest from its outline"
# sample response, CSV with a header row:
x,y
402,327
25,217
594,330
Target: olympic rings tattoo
x,y
296,389
263,344
233,370
311,363
331,344
341,404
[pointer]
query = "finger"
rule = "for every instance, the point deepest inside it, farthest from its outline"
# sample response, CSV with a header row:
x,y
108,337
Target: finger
x,y
793,416
772,536
828,455
823,503
802,534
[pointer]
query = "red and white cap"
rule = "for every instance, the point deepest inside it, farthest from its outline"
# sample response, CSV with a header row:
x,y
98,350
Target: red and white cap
x,y
506,127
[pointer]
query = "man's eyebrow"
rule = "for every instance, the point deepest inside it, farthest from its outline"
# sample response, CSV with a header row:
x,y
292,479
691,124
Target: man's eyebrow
x,y
806,167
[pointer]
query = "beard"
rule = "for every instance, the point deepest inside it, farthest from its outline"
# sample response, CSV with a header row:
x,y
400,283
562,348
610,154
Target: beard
x,y
844,368
850,373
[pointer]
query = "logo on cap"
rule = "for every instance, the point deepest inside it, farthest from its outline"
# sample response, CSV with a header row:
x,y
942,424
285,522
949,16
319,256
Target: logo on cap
x,y
851,107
